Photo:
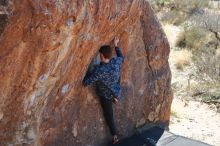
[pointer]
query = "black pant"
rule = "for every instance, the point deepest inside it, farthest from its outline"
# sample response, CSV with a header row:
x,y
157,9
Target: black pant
x,y
108,113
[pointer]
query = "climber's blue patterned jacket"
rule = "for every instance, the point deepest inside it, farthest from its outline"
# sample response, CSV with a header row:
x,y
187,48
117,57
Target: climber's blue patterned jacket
x,y
106,77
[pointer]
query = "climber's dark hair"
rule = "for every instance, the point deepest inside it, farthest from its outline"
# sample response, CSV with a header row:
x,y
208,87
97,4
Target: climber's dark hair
x,y
106,51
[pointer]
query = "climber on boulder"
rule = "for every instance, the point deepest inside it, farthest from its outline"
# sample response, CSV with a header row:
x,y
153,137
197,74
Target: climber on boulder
x,y
106,78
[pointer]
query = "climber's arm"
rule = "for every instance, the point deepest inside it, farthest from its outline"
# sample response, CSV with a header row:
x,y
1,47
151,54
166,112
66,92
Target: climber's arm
x,y
91,78
120,57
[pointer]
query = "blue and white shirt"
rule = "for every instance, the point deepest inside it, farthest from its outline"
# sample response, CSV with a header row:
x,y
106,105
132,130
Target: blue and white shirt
x,y
106,77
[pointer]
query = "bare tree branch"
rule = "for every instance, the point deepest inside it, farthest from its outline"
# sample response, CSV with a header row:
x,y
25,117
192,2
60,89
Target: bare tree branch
x,y
212,30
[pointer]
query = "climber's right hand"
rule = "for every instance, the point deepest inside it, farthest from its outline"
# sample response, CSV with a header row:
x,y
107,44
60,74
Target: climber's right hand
x,y
116,41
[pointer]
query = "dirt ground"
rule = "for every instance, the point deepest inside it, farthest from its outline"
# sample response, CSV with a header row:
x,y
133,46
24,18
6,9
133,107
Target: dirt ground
x,y
196,120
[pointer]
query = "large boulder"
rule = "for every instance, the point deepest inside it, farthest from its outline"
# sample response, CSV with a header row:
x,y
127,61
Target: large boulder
x,y
46,47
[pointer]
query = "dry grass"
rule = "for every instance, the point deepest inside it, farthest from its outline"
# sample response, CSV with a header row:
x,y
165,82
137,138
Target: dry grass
x,y
218,52
207,66
183,58
172,33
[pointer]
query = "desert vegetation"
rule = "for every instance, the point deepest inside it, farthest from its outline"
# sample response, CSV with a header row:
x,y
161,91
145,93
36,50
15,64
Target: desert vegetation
x,y
193,30
198,43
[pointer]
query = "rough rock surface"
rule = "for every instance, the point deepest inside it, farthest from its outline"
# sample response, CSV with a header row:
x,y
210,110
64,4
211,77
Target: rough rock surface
x,y
45,49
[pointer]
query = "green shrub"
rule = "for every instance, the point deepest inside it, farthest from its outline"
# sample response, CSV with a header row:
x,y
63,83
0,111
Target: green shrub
x,y
210,97
193,38
162,2
174,17
188,6
178,10
205,91
159,4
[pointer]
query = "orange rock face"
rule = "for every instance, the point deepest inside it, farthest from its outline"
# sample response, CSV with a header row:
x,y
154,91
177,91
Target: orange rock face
x,y
46,47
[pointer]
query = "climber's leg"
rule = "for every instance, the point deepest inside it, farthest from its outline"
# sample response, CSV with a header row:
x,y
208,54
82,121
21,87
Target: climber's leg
x,y
108,114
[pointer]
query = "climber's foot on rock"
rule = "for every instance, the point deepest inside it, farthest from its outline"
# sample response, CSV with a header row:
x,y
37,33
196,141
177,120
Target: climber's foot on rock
x,y
115,139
